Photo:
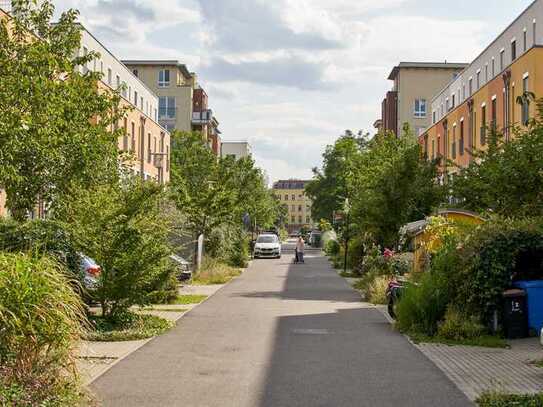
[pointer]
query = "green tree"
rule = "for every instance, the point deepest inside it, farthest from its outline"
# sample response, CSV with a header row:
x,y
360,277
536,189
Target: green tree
x,y
393,185
55,125
122,226
329,187
198,188
507,177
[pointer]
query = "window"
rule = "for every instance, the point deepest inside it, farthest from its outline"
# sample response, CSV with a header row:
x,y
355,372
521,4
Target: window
x,y
300,219
420,107
525,103
433,149
494,114
434,117
307,219
463,91
125,137
293,197
164,78
135,72
135,98
133,137
293,208
141,102
461,143
447,107
493,67
293,219
166,107
101,67
486,73
534,29
470,87
453,101
149,148
502,52
299,208
286,197
118,81
109,76
513,50
478,79
453,146
483,125
524,40
85,53
438,145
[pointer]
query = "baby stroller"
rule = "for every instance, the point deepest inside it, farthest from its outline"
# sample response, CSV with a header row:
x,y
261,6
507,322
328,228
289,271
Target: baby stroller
x,y
298,257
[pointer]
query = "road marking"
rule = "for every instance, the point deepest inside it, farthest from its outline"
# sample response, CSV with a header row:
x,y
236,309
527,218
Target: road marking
x,y
311,331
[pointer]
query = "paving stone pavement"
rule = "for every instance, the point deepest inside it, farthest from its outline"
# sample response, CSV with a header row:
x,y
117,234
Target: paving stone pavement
x,y
476,370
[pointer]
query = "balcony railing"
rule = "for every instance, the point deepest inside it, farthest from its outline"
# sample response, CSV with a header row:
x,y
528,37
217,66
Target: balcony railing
x,y
166,112
202,117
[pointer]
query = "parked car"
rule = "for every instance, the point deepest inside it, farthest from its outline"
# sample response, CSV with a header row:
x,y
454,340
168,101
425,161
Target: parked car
x,y
267,245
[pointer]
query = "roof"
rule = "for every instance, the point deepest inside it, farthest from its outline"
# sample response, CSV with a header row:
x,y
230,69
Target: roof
x,y
425,65
159,62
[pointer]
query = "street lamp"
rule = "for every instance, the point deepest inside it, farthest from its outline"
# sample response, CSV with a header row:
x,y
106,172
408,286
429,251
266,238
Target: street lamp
x,y
346,210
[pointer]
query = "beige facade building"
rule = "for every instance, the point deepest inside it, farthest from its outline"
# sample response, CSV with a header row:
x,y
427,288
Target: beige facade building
x,y
292,194
236,149
414,86
144,137
183,103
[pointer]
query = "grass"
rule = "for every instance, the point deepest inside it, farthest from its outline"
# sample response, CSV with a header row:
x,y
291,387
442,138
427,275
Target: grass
x,y
128,327
486,341
165,309
189,299
509,400
347,274
213,271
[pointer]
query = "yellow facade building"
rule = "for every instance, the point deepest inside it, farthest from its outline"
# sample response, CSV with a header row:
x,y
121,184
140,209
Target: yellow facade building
x,y
291,193
484,96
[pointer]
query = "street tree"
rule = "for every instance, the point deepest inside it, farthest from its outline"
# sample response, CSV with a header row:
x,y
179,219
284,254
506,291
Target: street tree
x,y
55,125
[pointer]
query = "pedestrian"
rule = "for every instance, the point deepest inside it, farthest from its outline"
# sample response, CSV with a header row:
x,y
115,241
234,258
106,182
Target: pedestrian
x,y
300,247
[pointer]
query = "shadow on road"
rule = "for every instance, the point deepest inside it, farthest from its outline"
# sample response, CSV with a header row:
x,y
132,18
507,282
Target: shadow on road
x,y
344,357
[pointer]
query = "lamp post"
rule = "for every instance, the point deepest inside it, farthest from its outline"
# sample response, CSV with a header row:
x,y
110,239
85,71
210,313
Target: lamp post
x,y
346,210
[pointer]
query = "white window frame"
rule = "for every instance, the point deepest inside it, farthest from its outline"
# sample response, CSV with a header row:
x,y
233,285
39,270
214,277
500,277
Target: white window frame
x,y
162,82
420,113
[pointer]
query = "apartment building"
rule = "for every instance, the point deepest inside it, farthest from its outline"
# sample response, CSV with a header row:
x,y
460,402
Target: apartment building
x,y
236,149
5,5
414,85
183,103
292,194
144,137
484,95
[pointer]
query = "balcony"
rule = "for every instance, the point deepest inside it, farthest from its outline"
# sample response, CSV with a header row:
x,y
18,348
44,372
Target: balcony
x,y
204,117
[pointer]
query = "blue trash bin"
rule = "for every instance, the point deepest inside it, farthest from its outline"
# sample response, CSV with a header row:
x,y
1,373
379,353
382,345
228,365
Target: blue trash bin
x,y
534,297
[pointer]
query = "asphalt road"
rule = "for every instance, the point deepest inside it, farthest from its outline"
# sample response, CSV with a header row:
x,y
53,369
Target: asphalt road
x,y
281,335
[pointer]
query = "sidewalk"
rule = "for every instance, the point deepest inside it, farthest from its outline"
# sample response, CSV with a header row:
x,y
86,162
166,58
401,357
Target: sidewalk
x,y
476,370
96,358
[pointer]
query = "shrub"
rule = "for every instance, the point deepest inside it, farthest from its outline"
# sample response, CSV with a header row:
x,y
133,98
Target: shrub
x,y
376,290
239,256
494,254
422,305
332,248
123,228
214,271
458,327
41,319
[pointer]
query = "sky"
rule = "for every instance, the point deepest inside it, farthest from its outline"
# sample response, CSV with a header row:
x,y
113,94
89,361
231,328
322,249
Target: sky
x,y
290,76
